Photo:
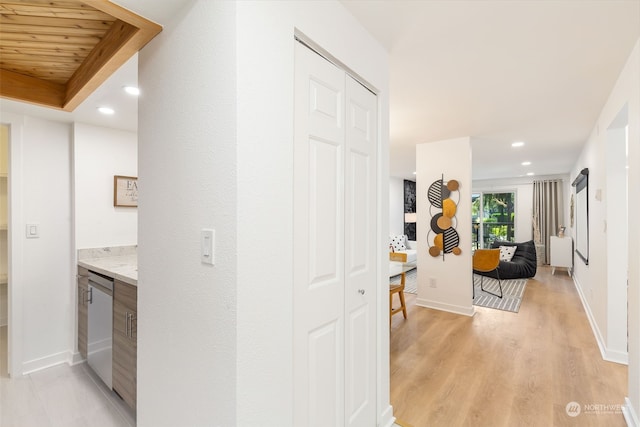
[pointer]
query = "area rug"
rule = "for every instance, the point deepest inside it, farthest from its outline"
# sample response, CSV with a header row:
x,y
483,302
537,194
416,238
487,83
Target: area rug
x,y
410,281
513,291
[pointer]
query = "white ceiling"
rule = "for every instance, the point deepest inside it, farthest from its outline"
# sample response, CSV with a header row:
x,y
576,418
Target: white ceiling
x,y
110,93
498,71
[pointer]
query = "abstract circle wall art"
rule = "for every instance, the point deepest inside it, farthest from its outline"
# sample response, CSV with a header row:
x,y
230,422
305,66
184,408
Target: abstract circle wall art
x,y
444,197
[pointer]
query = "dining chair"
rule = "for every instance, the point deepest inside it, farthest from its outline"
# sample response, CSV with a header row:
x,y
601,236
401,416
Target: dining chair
x,y
485,261
397,288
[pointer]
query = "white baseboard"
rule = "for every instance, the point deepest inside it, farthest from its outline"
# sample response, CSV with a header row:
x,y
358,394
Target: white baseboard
x,y
386,418
630,415
75,358
45,362
608,355
456,309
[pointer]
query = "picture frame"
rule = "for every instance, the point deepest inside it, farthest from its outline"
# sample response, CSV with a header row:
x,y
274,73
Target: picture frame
x,y
125,191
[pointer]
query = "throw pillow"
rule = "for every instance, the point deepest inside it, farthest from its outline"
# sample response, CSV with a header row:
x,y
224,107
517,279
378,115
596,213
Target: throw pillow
x,y
398,242
507,252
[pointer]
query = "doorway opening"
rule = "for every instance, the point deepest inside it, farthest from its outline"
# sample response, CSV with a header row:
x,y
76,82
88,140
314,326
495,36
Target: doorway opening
x,y
617,228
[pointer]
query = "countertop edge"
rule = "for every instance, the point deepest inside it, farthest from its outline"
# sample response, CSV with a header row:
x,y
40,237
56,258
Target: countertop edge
x,y
115,275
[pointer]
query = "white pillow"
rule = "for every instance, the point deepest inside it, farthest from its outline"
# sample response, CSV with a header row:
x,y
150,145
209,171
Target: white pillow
x,y
398,242
507,252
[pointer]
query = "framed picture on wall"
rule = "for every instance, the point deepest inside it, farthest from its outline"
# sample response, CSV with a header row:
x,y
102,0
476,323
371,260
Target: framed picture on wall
x,y
125,191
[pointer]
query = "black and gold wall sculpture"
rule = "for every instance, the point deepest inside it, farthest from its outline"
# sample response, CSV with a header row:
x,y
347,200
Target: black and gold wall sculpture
x,y
443,238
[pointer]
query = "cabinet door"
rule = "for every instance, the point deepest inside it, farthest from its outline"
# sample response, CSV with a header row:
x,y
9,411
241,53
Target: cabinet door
x,y
125,342
83,288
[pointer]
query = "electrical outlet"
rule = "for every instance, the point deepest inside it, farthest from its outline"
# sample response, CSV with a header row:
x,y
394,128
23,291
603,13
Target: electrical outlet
x,y
432,282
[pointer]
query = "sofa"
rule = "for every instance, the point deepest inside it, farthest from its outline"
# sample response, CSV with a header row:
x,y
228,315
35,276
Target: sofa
x,y
402,244
523,264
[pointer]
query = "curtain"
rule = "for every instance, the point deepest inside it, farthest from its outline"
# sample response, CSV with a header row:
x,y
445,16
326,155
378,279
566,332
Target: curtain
x,y
547,213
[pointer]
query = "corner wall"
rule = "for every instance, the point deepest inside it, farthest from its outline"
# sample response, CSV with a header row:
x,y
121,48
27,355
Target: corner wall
x,y
453,277
591,280
216,150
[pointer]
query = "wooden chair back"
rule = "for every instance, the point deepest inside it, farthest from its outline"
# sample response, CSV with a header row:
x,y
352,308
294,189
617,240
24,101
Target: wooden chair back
x,y
397,256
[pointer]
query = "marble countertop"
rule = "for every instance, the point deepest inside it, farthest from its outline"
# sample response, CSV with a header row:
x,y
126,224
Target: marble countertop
x,y
120,264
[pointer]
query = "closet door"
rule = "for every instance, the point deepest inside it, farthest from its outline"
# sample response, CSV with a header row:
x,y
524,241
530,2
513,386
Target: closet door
x,y
334,297
318,297
360,265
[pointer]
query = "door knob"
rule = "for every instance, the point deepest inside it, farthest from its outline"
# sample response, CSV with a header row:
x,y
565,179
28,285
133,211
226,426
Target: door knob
x,y
361,291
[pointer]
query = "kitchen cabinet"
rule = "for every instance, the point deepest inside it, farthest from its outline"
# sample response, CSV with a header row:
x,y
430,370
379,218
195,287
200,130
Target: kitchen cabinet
x,y
125,347
83,292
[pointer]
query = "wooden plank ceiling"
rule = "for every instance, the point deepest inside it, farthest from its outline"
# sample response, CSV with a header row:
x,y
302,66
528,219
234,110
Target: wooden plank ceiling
x,y
56,53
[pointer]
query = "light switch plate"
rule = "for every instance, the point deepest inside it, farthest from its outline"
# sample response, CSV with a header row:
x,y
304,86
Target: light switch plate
x,y
33,231
207,246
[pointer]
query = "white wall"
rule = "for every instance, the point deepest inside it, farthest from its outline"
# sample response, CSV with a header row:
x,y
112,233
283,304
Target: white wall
x,y
396,206
188,181
591,280
41,274
98,154
453,278
224,127
617,239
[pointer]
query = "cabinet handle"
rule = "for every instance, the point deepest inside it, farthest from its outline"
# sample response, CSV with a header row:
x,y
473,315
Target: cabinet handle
x,y
126,323
361,291
133,318
90,298
81,297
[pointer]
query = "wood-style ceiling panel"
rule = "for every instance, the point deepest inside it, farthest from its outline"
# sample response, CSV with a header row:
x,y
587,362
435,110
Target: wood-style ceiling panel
x,y
55,53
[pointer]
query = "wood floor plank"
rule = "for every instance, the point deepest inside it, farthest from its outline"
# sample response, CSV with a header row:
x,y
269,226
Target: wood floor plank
x,y
505,369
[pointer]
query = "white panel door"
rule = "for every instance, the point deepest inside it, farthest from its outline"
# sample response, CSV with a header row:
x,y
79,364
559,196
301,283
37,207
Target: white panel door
x,y
360,265
318,271
334,300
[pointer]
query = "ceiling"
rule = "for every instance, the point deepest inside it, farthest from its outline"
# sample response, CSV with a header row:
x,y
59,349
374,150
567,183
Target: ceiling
x,y
56,53
498,71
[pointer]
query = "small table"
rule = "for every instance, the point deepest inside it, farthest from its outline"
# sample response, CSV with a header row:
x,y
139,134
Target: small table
x,y
398,269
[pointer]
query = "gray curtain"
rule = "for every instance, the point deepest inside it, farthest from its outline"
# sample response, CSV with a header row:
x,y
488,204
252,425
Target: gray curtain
x,y
547,213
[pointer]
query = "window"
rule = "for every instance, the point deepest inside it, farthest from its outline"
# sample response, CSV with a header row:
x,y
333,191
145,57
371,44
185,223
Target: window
x,y
493,217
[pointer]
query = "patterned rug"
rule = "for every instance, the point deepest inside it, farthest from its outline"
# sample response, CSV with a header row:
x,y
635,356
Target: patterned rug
x,y
410,281
513,291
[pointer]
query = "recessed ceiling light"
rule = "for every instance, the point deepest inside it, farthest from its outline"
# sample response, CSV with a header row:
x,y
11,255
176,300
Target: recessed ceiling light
x,y
530,173
526,163
517,144
132,90
106,110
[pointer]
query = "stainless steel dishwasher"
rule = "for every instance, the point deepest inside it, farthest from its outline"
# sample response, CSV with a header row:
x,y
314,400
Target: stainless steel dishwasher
x,y
100,332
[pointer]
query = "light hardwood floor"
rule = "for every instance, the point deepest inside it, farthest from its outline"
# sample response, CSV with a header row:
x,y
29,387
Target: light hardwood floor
x,y
505,369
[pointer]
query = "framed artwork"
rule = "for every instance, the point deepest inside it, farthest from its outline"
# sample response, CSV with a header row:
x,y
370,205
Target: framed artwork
x,y
125,191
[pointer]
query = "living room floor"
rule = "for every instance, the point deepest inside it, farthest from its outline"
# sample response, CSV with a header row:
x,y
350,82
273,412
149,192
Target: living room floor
x,y
499,368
